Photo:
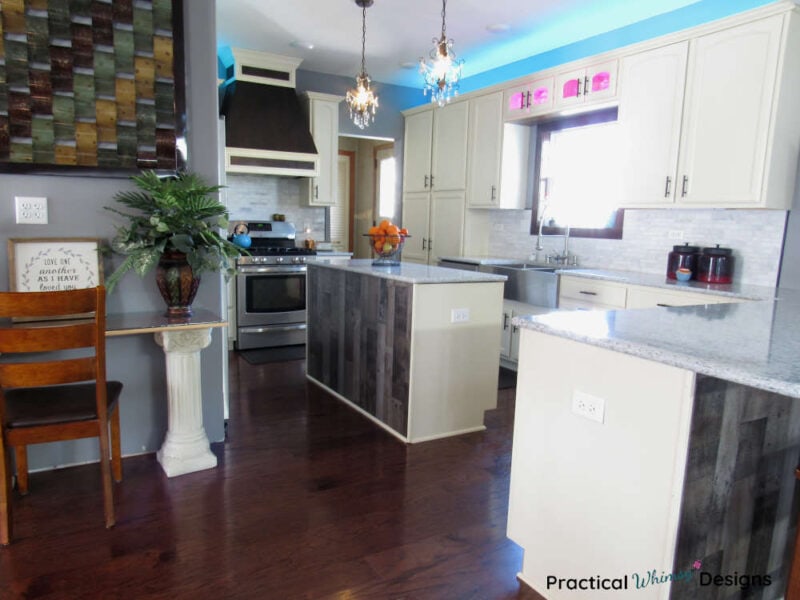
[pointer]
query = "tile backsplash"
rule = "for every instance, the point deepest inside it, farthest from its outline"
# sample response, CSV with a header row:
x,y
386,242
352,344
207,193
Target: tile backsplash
x,y
756,237
258,197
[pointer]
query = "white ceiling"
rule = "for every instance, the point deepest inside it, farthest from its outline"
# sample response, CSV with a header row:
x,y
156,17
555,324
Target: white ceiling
x,y
400,31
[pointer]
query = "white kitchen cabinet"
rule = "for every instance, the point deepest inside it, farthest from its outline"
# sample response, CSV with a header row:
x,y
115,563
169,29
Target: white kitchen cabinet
x,y
528,99
582,292
417,152
497,156
728,137
434,201
649,297
436,224
510,334
586,84
651,105
323,115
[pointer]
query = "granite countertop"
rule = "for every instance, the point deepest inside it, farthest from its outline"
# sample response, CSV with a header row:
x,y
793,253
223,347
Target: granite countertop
x,y
481,260
752,343
735,289
410,272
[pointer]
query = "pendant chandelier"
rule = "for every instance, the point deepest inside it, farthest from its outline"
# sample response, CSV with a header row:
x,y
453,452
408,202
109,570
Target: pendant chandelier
x,y
362,101
442,69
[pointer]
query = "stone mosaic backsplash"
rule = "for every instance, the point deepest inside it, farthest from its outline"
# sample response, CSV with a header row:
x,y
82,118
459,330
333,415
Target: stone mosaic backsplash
x,y
258,197
756,237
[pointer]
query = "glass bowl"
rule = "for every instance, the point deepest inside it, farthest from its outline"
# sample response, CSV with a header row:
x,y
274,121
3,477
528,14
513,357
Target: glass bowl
x,y
387,248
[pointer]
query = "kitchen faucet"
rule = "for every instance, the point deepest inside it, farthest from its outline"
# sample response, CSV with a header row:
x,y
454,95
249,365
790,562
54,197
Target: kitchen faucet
x,y
564,257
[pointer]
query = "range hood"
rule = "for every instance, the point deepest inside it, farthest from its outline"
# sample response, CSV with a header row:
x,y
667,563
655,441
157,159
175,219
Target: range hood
x,y
266,129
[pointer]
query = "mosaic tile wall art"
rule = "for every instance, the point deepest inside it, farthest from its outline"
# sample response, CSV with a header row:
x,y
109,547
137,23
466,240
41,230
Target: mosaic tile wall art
x,y
91,86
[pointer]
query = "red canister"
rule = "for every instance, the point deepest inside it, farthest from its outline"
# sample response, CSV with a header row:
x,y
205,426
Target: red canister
x,y
682,257
715,265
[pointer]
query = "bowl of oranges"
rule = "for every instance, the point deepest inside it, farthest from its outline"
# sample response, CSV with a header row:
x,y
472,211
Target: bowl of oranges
x,y
387,242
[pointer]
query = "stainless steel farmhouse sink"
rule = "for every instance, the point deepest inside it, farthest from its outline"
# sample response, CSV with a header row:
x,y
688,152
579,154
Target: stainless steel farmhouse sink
x,y
528,283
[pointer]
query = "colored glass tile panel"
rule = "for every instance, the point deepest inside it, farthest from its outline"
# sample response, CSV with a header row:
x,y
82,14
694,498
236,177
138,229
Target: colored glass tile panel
x,y
162,14
86,139
146,124
66,154
5,139
41,92
123,51
84,96
102,24
82,46
61,68
145,77
146,159
104,73
162,51
123,11
106,121
126,141
63,109
126,99
13,16
19,113
59,19
81,8
165,148
64,132
143,29
165,102
21,152
38,38
43,140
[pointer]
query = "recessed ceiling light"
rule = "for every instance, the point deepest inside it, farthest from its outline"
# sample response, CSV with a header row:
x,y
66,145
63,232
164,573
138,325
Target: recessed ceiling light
x,y
302,44
498,28
409,65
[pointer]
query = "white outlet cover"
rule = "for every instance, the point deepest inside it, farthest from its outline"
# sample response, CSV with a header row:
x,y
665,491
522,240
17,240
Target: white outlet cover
x,y
588,406
459,315
31,210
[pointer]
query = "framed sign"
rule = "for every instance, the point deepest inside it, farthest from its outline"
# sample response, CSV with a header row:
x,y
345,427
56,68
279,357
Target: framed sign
x,y
54,264
91,87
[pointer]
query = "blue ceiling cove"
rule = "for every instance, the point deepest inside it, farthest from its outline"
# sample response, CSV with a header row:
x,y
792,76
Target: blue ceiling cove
x,y
691,15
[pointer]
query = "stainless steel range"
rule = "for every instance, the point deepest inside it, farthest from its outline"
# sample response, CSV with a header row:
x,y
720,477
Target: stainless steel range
x,y
271,288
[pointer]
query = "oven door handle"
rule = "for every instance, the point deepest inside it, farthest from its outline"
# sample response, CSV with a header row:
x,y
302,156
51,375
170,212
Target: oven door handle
x,y
272,271
272,328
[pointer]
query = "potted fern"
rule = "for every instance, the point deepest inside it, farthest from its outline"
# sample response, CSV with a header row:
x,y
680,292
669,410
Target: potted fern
x,y
176,230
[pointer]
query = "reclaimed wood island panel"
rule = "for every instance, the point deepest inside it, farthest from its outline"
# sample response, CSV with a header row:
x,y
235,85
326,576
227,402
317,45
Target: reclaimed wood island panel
x,y
415,348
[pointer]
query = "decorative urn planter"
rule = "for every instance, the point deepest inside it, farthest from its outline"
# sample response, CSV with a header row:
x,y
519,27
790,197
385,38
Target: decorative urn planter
x,y
177,284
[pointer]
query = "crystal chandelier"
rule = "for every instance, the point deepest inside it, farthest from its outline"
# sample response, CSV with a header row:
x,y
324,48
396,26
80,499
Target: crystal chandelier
x,y
442,70
362,101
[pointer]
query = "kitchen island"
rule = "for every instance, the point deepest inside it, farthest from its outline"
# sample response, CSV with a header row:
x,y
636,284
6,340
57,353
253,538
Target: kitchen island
x,y
655,450
415,348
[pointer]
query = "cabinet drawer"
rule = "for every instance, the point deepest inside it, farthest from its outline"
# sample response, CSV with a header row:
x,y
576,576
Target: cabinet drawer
x,y
644,297
592,291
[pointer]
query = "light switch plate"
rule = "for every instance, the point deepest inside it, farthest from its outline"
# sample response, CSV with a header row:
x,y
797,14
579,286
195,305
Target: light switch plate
x,y
31,210
459,315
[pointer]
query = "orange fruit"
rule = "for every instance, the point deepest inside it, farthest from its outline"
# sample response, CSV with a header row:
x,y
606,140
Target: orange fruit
x,y
392,230
403,231
374,230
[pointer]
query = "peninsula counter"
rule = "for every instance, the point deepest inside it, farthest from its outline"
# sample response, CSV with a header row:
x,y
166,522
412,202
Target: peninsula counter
x,y
415,348
661,441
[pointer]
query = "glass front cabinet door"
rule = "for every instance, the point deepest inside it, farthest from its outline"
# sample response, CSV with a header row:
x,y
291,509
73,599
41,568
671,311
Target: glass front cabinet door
x,y
595,82
532,98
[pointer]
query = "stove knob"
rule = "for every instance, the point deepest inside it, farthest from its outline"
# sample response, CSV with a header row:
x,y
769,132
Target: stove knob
x,y
279,259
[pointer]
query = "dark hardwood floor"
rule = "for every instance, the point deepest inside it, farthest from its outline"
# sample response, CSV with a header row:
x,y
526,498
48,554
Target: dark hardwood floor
x,y
310,500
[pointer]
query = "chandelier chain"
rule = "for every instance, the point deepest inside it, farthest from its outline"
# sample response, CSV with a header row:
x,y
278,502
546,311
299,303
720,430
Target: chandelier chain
x,y
363,37
444,25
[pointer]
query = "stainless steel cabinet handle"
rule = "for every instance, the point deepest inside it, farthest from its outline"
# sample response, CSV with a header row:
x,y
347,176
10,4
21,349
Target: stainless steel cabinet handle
x,y
527,100
273,328
684,186
494,192
667,305
579,94
585,85
316,192
505,321
431,180
426,181
514,329
667,187
587,293
423,244
430,244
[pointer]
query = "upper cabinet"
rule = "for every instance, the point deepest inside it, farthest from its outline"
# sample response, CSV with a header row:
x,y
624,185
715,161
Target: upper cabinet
x,y
497,156
589,84
323,115
436,149
528,99
728,137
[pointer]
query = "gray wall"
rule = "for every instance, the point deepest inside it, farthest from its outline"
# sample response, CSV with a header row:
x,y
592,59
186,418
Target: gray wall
x,y
76,209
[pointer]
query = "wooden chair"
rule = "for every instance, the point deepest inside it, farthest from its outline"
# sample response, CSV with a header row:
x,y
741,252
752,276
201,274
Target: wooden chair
x,y
53,385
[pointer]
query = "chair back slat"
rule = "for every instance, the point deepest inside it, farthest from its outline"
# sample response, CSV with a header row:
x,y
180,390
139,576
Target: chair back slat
x,y
47,304
53,372
47,336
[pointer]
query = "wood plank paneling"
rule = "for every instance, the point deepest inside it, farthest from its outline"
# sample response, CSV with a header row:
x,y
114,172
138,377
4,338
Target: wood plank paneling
x,y
359,340
740,504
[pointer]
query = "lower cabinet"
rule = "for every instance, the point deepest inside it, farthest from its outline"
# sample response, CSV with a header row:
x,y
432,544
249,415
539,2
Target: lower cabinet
x,y
579,293
509,335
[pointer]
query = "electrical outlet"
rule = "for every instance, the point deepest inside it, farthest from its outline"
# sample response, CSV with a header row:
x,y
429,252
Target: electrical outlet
x,y
588,406
459,315
31,210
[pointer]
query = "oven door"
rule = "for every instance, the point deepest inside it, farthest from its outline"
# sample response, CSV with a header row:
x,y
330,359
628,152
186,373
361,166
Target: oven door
x,y
267,295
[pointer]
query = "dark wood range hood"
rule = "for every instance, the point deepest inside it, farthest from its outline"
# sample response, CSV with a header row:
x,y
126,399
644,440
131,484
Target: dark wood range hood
x,y
266,129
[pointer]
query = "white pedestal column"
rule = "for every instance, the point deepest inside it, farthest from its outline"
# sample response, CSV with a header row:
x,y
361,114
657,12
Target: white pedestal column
x,y
186,447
